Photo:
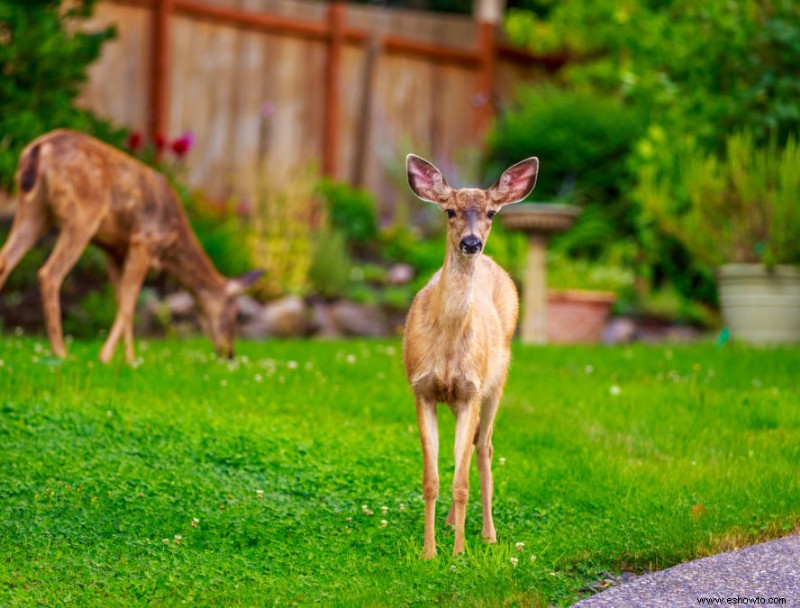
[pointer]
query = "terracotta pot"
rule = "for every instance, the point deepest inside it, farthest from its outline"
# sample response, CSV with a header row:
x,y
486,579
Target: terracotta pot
x,y
760,305
577,316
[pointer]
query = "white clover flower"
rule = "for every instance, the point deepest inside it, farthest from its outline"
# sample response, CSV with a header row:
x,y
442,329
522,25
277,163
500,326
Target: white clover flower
x,y
514,561
195,521
402,507
178,539
165,541
259,493
384,509
520,546
258,378
533,557
588,369
350,359
384,523
453,568
364,508
348,519
502,462
369,512
615,390
291,364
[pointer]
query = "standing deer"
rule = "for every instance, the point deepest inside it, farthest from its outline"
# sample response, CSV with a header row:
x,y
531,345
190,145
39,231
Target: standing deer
x,y
95,193
457,338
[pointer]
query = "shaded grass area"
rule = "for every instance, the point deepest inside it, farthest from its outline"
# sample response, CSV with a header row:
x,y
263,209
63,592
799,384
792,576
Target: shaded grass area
x,y
629,458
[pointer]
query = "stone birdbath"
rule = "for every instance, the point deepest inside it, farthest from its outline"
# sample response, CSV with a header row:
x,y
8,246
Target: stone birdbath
x,y
539,222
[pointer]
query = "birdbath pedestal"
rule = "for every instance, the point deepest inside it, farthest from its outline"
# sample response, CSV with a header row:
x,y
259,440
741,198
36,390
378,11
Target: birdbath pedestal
x,y
539,222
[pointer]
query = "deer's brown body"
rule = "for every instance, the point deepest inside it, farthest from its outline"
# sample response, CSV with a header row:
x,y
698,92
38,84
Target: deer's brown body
x,y
457,339
96,194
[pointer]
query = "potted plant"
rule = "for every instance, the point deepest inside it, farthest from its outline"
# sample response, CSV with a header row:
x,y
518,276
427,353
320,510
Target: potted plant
x,y
739,214
580,296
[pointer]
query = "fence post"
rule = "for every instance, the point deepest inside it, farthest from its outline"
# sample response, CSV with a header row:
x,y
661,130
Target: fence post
x,y
488,14
330,151
159,81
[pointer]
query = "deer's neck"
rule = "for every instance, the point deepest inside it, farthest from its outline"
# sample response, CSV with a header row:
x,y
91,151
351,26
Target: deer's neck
x,y
193,269
455,293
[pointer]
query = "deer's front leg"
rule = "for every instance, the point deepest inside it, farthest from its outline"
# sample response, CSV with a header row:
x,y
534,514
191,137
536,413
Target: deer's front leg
x,y
466,424
485,451
137,264
71,243
429,436
114,268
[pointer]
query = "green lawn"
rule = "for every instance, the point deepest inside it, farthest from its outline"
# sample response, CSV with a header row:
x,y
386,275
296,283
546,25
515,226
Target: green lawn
x,y
613,458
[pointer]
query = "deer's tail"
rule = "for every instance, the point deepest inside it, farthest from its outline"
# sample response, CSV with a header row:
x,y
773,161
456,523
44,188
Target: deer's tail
x,y
28,171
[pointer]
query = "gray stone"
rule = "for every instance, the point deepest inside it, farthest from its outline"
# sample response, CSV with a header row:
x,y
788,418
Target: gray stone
x,y
322,322
352,319
285,317
180,304
249,308
400,274
619,330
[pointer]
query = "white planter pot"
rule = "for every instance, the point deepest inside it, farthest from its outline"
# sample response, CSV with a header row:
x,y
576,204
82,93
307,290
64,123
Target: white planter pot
x,y
760,305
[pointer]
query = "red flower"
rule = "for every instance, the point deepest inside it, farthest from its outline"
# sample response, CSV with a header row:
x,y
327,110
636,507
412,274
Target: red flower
x,y
134,141
160,142
183,144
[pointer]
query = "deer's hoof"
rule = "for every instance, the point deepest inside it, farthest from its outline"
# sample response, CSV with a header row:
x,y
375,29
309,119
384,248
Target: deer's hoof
x,y
428,553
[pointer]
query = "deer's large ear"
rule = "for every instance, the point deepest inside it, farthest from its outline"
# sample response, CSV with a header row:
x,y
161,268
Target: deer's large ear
x,y
239,284
516,183
426,181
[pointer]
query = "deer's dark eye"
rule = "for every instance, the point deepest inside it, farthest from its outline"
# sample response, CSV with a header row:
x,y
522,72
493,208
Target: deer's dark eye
x,y
450,213
490,215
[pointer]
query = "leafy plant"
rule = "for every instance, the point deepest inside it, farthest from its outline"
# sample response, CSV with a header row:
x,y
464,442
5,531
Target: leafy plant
x,y
281,234
350,210
329,273
741,207
45,52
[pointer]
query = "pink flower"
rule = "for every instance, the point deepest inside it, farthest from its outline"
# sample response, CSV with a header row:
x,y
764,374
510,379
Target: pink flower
x,y
183,144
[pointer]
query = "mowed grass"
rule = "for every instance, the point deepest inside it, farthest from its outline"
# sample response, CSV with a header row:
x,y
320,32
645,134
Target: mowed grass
x,y
612,459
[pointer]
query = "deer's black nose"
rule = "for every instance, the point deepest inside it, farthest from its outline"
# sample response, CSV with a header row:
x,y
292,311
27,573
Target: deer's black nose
x,y
471,244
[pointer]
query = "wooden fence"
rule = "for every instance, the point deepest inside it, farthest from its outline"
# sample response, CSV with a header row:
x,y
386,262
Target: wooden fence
x,y
269,86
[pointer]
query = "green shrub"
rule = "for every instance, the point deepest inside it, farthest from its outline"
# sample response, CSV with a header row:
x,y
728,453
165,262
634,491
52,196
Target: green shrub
x,y
45,52
741,207
581,139
329,274
350,210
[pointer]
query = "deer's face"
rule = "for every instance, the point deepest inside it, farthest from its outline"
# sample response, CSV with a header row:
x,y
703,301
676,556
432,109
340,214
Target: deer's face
x,y
469,214
470,210
218,313
218,319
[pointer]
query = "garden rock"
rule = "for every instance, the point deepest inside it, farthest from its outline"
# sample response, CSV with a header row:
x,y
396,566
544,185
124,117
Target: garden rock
x,y
285,317
352,319
249,308
619,330
180,304
322,322
400,274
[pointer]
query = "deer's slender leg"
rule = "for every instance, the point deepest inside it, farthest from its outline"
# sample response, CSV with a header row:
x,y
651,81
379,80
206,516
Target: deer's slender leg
x,y
30,223
485,452
429,436
138,262
71,243
466,424
114,268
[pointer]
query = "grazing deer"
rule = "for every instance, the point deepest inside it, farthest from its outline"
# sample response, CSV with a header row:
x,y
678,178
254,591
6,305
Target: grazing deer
x,y
457,338
95,193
